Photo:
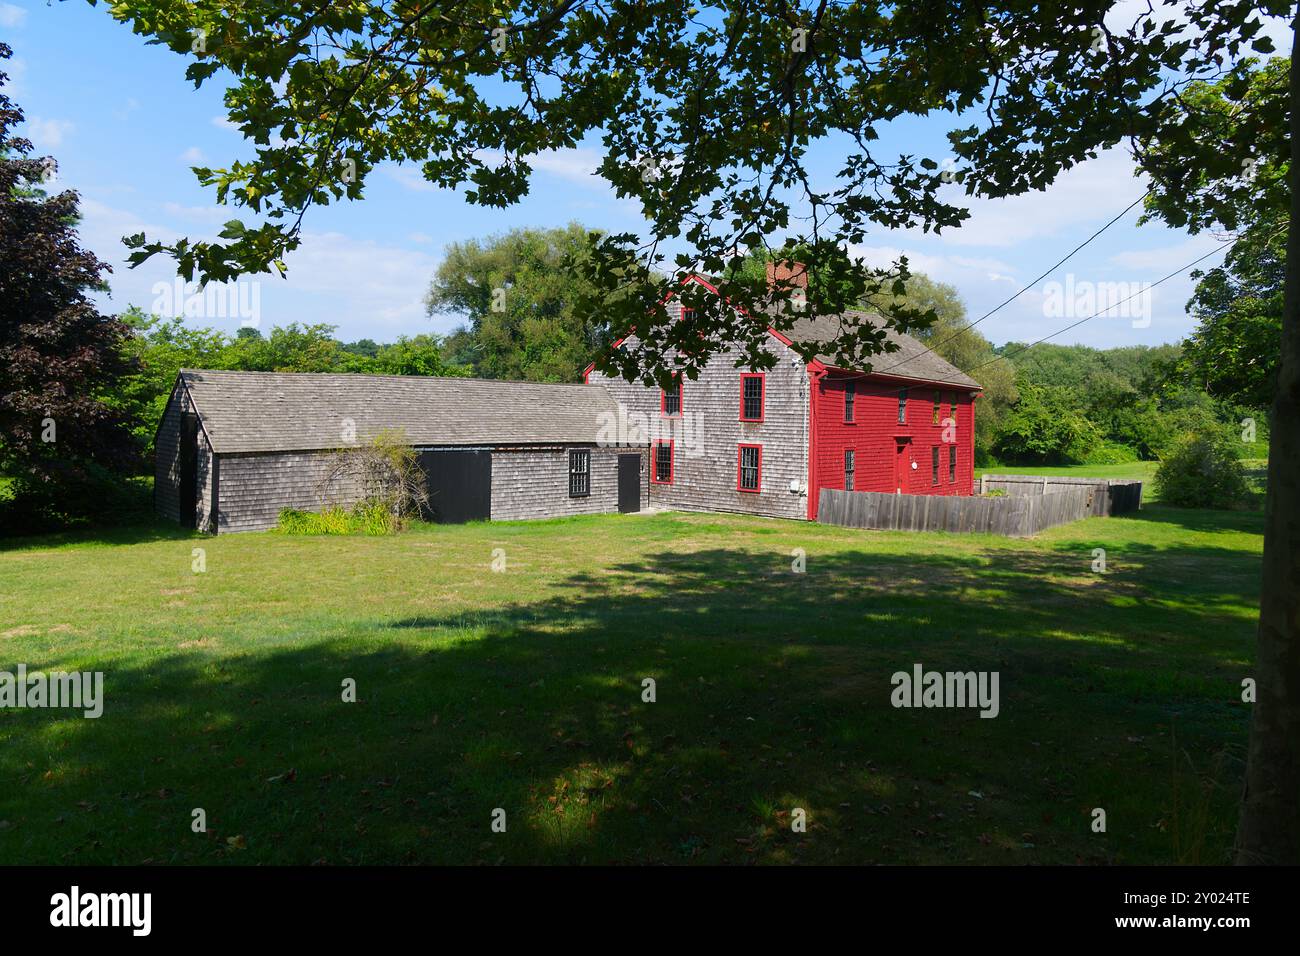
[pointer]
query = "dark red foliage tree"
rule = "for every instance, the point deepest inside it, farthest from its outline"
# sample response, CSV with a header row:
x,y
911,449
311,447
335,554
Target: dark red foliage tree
x,y
59,356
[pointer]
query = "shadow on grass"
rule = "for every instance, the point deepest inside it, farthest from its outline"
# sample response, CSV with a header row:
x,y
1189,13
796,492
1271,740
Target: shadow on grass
x,y
141,532
772,691
1199,519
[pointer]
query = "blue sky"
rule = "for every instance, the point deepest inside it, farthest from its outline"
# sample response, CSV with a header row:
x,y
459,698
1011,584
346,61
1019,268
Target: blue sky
x,y
125,128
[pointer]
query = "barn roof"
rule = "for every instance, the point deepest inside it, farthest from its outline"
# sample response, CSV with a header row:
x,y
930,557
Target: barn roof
x,y
304,411
912,360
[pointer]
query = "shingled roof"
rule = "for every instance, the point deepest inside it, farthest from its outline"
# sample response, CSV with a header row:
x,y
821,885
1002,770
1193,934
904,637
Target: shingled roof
x,y
912,360
305,411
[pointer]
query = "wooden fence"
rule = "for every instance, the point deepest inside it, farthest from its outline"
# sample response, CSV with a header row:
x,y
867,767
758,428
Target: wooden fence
x,y
1015,515
1113,496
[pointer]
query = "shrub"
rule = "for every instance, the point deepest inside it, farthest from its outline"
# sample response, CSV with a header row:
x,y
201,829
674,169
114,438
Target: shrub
x,y
86,498
1112,453
365,518
1202,471
387,475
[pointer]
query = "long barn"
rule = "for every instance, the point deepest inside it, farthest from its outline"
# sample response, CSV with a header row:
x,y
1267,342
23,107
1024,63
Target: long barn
x,y
236,448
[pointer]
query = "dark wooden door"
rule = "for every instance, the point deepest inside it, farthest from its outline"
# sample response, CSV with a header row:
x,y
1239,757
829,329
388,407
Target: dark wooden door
x,y
189,471
460,485
629,483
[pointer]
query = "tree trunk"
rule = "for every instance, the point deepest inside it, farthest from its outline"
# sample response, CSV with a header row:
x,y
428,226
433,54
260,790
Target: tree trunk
x,y
1269,829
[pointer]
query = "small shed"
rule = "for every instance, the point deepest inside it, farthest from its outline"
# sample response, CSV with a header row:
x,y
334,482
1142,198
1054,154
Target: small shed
x,y
235,448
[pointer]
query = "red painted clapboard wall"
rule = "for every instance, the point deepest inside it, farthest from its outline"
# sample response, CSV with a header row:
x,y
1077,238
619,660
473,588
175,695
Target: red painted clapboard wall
x,y
885,449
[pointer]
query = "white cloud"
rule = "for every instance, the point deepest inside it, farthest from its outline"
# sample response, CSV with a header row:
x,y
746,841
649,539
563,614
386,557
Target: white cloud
x,y
12,16
1090,192
225,122
364,287
575,165
48,133
411,178
423,238
1127,14
365,283
16,68
957,270
1162,260
193,155
207,214
131,106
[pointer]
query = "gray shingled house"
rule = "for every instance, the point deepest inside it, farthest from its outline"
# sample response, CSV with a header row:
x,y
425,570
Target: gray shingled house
x,y
235,448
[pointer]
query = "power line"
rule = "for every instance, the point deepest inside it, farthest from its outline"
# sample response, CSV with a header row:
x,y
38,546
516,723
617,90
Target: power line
x,y
1027,286
1176,272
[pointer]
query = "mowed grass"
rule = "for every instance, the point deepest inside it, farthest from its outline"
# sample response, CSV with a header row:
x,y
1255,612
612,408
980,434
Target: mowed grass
x,y
1144,471
522,690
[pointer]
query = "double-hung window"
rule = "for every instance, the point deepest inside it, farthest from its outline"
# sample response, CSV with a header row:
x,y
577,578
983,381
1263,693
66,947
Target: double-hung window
x,y
902,406
934,465
850,468
749,468
661,465
751,397
661,462
579,473
850,397
670,400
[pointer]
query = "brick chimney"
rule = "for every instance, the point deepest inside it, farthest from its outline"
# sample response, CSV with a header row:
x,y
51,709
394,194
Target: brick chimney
x,y
786,275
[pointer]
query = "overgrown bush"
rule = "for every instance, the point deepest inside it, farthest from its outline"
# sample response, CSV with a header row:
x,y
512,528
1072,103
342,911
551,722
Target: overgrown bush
x,y
384,474
1112,453
1202,471
363,519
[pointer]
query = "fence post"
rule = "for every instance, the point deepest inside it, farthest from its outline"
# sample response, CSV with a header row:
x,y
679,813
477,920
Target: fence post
x,y
984,484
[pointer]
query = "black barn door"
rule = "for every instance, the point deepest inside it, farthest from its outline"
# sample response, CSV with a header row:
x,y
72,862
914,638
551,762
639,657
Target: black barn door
x,y
629,483
460,485
189,485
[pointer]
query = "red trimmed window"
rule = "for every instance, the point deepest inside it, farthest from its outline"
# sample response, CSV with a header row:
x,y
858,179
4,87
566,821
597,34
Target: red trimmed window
x,y
938,406
902,406
753,396
934,465
850,396
749,468
661,464
952,464
670,402
850,468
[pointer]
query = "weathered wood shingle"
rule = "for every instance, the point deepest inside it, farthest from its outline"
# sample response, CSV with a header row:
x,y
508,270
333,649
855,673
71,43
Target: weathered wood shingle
x,y
288,411
911,359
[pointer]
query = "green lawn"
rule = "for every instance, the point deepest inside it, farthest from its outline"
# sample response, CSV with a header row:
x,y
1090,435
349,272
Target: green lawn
x,y
1142,470
522,691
